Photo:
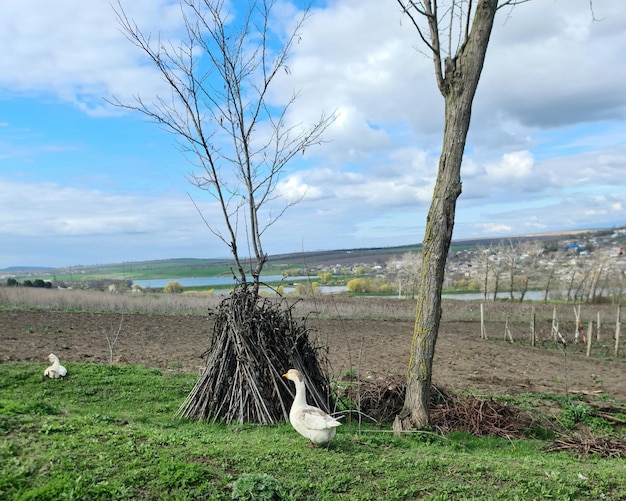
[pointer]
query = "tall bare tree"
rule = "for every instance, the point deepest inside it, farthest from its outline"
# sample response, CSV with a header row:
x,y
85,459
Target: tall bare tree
x,y
530,254
219,76
457,71
240,141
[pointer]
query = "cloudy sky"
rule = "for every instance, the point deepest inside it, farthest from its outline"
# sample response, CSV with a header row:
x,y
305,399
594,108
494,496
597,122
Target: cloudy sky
x,y
82,182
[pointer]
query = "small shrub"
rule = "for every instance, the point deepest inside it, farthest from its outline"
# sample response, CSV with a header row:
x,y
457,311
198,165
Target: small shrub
x,y
348,374
173,288
359,285
257,486
573,414
326,276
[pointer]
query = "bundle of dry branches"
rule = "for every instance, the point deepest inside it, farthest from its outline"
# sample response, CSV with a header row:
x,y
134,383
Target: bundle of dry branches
x,y
382,399
586,445
479,416
254,342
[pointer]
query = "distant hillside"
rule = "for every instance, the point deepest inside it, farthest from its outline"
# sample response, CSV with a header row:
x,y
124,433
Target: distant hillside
x,y
383,254
25,268
194,267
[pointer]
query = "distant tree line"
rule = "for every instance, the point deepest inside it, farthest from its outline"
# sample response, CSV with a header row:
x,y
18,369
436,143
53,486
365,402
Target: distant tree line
x,y
43,284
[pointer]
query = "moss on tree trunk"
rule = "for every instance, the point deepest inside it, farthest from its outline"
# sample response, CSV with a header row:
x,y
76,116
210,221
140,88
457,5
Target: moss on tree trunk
x,y
458,87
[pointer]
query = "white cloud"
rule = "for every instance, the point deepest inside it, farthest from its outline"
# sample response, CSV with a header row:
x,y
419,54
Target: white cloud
x,y
512,167
76,52
51,211
495,229
293,189
548,65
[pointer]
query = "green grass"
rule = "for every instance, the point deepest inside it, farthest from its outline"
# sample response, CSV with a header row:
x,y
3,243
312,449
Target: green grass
x,y
109,433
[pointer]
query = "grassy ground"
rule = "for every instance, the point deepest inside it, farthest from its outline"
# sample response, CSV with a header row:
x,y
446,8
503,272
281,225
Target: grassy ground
x,y
108,432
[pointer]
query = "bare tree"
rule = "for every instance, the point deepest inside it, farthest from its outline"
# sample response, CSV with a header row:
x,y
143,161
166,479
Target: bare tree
x,y
617,279
510,256
219,109
408,272
552,261
490,265
496,271
457,71
530,254
484,264
240,141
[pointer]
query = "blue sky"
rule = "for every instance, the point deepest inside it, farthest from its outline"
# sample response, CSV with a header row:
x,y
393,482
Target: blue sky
x,y
84,183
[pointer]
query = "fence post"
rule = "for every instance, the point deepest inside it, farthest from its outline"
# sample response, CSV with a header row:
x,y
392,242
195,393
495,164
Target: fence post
x,y
483,333
589,334
578,325
533,339
555,327
617,326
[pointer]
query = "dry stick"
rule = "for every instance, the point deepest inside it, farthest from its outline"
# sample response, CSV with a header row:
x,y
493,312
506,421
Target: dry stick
x,y
577,324
589,334
507,331
617,327
112,342
562,346
598,324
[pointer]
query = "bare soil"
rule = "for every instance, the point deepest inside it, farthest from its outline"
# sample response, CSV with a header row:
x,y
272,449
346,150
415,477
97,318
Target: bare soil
x,y
371,347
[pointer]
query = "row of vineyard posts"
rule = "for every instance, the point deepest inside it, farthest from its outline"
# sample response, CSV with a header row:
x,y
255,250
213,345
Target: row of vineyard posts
x,y
575,331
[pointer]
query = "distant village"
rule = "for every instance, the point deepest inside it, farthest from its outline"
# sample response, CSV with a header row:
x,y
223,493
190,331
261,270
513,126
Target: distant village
x,y
589,266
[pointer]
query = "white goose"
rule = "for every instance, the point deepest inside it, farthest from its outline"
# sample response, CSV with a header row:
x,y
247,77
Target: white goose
x,y
310,422
56,370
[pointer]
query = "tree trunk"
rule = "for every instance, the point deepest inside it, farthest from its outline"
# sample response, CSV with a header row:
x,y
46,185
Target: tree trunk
x,y
458,87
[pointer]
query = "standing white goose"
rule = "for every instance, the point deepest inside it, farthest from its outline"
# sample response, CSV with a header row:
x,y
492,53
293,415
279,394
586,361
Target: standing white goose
x,y
56,370
310,422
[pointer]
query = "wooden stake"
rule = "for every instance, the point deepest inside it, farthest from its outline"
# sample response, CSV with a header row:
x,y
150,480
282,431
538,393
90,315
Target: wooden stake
x,y
617,326
598,328
507,331
589,334
483,333
533,339
554,325
578,326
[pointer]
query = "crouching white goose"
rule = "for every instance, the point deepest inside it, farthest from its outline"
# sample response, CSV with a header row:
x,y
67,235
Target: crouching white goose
x,y
56,370
310,422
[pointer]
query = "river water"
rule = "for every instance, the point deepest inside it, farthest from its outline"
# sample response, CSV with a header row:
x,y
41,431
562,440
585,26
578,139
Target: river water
x,y
159,283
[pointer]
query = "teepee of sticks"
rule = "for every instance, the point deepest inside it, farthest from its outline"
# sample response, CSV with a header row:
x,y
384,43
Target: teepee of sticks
x,y
255,340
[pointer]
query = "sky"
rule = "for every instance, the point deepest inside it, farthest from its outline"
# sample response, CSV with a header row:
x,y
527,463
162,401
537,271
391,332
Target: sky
x,y
83,182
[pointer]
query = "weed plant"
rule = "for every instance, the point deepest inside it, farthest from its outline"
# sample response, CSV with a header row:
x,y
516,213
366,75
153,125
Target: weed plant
x,y
108,432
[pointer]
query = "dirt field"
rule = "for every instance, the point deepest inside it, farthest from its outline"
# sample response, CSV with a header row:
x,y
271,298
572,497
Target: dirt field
x,y
373,347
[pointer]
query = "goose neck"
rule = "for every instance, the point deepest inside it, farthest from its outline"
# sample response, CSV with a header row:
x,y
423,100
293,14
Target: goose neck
x,y
300,397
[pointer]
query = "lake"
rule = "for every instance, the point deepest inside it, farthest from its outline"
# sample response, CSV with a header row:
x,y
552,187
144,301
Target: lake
x,y
159,283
